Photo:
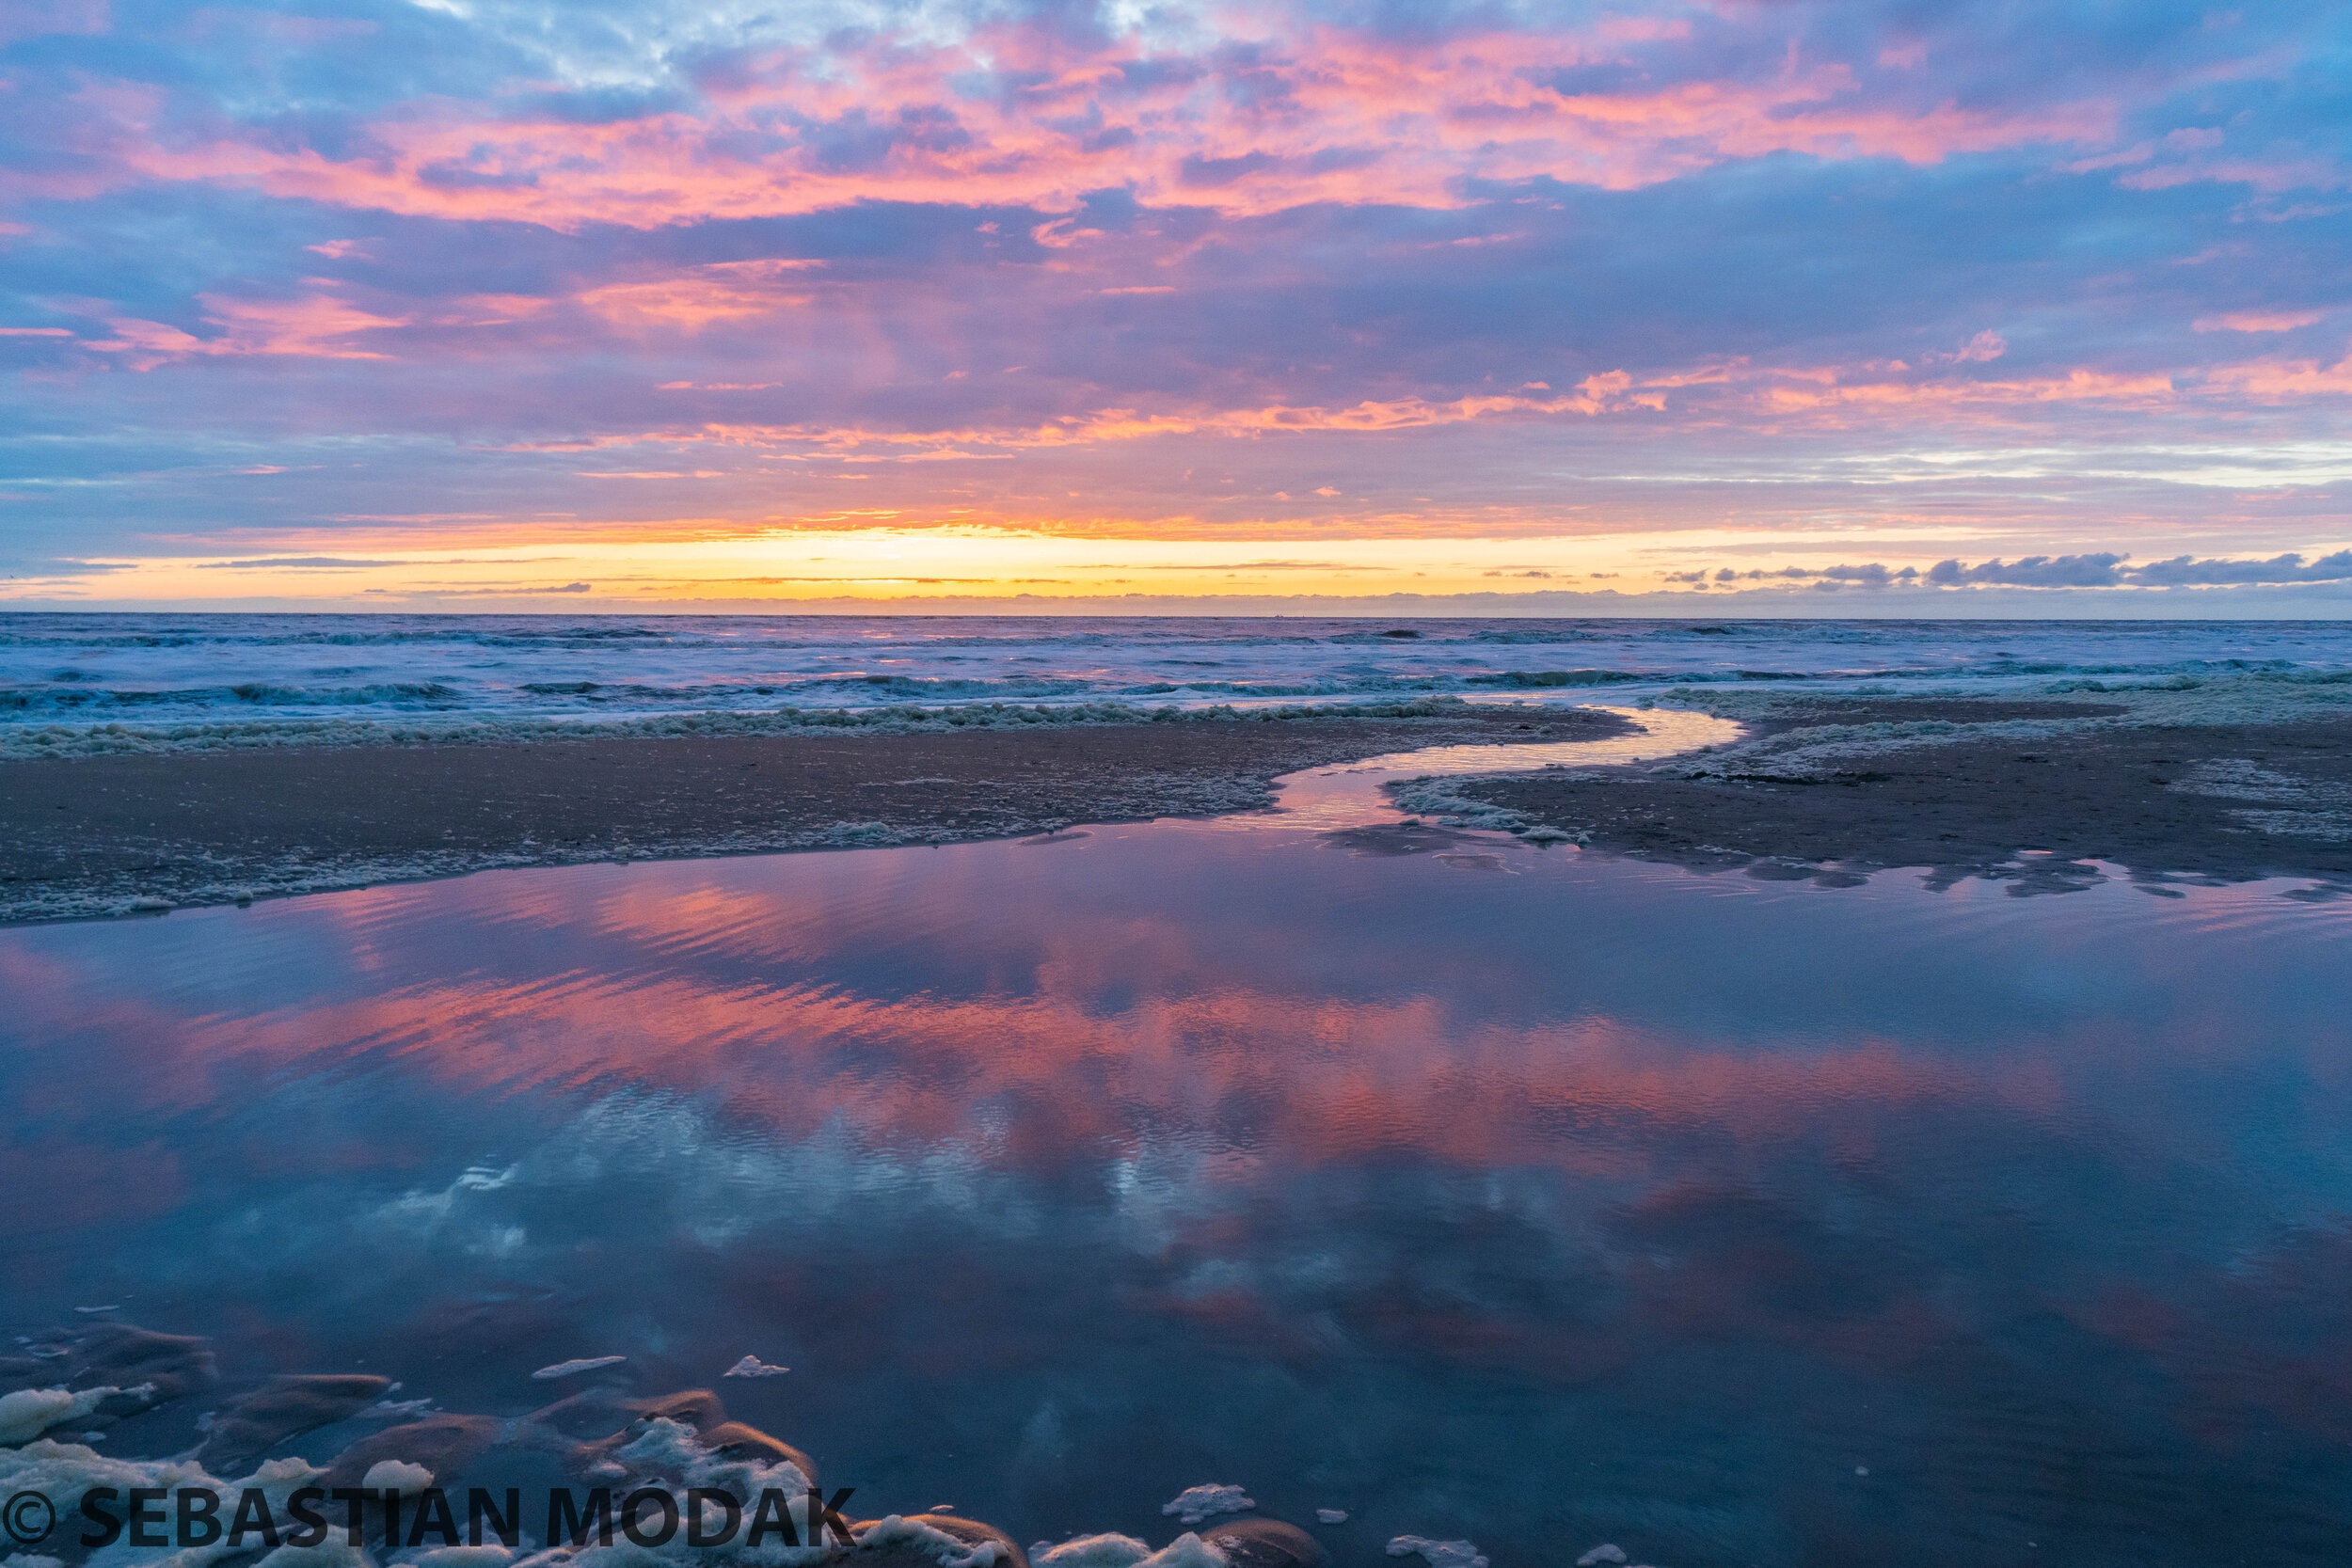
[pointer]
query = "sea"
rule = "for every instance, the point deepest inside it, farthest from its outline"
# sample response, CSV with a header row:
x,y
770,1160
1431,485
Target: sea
x,y
1457,1200
62,672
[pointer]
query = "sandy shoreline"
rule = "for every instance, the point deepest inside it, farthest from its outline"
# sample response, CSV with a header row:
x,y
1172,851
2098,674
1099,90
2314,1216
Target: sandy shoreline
x,y
2026,791
97,835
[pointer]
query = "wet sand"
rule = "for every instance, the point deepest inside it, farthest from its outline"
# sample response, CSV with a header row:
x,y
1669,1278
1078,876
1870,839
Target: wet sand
x,y
2202,801
97,835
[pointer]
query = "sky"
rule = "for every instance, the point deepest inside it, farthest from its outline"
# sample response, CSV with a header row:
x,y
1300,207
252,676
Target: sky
x,y
1872,307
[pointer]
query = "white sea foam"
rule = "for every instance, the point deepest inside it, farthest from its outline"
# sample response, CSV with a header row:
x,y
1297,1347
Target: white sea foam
x,y
397,1475
27,1413
1092,1551
669,1451
32,742
486,1556
752,1366
69,1469
585,1364
2263,698
1438,1553
1187,1550
945,1549
1196,1503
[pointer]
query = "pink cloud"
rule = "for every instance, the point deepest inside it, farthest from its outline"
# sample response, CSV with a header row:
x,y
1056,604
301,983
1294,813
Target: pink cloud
x,y
695,299
1981,349
2268,176
1329,115
2077,385
314,326
2257,321
2286,378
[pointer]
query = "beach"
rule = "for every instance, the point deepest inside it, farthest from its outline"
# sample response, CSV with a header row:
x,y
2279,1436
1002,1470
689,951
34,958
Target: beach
x,y
2029,792
111,835
164,761
2032,792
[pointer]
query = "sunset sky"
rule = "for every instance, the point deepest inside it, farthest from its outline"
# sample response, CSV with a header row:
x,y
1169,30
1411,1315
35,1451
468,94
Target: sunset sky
x,y
1788,307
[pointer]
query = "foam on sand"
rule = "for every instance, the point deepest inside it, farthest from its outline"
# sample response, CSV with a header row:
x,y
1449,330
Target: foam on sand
x,y
397,1475
1091,1551
585,1364
752,1366
32,742
1196,1503
1187,1550
69,1469
27,1413
2238,775
1438,1553
681,1444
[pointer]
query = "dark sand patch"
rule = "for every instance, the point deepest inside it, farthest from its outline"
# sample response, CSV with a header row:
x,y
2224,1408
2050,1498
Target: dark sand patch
x,y
89,836
2213,801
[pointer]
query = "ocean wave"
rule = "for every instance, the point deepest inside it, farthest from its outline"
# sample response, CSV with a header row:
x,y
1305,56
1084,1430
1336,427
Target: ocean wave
x,y
1524,678
68,667
72,698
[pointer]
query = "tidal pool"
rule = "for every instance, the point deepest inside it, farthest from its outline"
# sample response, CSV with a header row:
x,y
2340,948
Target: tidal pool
x,y
1489,1191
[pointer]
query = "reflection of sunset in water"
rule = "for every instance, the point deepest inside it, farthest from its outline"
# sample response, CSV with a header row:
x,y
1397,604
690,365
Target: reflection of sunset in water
x,y
1441,1183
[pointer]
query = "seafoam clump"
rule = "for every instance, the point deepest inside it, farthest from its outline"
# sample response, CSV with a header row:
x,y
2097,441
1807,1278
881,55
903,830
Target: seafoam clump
x,y
752,1366
912,1534
1125,1551
53,740
1438,1553
584,1364
29,1412
1110,1550
1440,799
486,1556
2303,808
336,1551
397,1475
1186,1551
1196,1503
2232,697
68,1469
667,1449
1608,1551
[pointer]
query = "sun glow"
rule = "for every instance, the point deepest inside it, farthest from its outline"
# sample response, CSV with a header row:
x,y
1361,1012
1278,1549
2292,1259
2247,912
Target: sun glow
x,y
886,562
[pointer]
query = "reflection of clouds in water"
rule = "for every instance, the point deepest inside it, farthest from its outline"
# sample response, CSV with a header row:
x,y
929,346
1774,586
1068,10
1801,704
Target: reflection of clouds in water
x,y
1179,1147
1402,1241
